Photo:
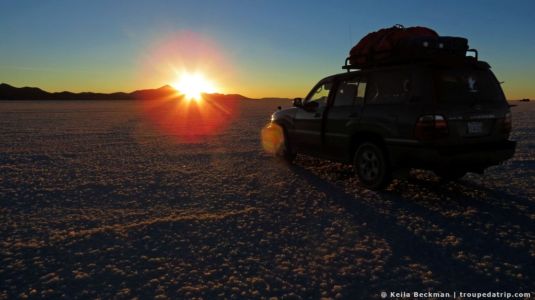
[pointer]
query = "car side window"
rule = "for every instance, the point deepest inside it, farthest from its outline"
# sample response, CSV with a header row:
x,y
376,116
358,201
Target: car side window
x,y
350,92
320,94
361,92
391,87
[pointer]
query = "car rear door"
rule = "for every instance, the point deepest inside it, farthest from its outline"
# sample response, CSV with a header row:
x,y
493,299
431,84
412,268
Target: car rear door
x,y
385,110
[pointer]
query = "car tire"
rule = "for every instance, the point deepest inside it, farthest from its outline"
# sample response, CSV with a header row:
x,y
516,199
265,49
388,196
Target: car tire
x,y
450,174
286,153
371,166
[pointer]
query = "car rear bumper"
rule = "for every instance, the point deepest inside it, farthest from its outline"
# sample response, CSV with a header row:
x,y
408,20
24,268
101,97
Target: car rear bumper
x,y
472,157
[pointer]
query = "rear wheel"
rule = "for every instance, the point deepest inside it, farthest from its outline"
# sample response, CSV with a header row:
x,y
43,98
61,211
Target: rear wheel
x,y
450,174
371,166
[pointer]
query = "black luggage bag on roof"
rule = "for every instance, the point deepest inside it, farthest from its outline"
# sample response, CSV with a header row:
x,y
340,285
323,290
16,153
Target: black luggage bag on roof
x,y
429,47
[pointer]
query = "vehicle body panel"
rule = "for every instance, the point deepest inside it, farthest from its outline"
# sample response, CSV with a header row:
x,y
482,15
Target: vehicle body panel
x,y
395,98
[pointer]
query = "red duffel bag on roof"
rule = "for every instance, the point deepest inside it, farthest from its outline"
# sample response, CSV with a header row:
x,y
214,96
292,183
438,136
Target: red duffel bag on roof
x,y
382,45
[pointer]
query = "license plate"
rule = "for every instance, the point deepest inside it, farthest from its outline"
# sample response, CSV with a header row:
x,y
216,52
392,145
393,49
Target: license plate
x,y
475,127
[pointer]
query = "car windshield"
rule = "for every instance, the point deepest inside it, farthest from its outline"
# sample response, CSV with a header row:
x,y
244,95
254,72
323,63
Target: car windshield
x,y
467,86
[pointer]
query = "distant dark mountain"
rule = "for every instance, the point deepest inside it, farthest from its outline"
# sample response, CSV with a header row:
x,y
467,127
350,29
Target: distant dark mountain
x,y
8,92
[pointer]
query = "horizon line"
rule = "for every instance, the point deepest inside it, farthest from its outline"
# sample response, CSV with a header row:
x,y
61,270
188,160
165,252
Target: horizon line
x,y
137,90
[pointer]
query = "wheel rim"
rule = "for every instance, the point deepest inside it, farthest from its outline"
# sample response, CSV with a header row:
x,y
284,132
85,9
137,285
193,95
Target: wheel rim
x,y
369,165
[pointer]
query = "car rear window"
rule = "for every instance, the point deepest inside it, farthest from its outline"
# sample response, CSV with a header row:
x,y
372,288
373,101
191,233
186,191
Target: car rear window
x,y
389,87
467,86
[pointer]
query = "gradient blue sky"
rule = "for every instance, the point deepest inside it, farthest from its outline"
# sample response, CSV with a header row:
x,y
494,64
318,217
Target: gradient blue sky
x,y
263,48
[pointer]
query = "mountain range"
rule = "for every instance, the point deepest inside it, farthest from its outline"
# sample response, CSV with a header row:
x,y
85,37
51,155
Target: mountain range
x,y
8,92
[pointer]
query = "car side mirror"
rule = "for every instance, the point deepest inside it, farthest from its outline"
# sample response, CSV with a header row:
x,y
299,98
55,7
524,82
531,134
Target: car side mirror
x,y
298,102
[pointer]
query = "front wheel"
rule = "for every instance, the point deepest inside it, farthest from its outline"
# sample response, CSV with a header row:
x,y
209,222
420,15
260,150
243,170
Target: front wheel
x,y
275,141
285,151
371,166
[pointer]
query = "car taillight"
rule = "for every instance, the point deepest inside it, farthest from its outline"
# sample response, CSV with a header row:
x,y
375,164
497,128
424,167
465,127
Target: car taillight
x,y
507,123
431,127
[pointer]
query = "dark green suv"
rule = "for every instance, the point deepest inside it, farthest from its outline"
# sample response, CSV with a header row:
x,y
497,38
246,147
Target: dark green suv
x,y
449,118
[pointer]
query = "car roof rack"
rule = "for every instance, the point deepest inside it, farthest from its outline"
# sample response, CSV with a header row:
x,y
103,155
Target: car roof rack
x,y
347,66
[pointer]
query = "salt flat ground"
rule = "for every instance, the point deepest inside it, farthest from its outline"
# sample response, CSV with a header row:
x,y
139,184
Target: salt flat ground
x,y
95,201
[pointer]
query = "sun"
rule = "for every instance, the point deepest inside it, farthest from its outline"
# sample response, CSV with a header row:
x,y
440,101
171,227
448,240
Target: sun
x,y
193,85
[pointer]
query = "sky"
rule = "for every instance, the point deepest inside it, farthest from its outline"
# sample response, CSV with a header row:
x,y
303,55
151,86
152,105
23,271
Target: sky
x,y
255,48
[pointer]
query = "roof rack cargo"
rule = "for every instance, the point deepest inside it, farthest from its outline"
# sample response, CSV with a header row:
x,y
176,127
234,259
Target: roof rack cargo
x,y
444,59
402,45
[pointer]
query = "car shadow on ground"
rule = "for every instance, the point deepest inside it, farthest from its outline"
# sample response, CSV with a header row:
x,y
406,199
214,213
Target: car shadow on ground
x,y
463,251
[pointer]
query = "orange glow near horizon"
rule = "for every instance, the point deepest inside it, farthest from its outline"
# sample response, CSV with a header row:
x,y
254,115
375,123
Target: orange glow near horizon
x,y
190,120
193,85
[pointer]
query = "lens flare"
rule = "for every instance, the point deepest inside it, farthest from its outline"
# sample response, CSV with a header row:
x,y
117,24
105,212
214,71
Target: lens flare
x,y
188,110
191,121
272,138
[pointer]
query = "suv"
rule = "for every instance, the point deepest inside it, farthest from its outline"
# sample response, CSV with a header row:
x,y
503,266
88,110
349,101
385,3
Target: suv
x,y
448,118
